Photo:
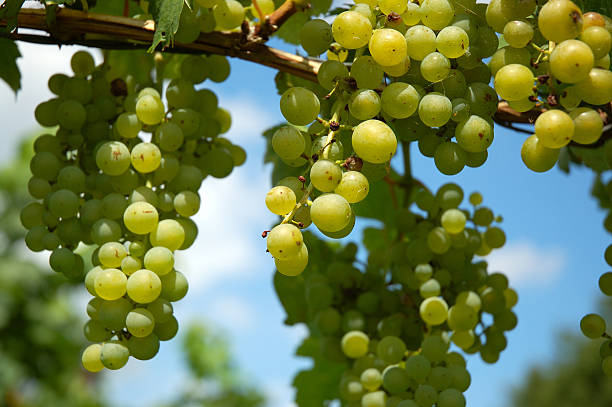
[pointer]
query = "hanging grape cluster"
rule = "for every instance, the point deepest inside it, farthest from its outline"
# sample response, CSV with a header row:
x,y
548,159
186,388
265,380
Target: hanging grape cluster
x,y
122,174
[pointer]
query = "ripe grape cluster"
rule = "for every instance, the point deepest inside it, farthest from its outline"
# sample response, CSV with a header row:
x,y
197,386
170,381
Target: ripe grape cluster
x,y
121,174
392,323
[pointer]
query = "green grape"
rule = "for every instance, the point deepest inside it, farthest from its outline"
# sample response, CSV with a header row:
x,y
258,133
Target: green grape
x,y
474,135
387,46
373,141
518,33
399,100
392,6
462,317
508,55
113,158
453,85
453,221
434,310
130,264
188,27
167,330
514,82
592,326
434,348
596,89
438,240
425,395
495,16
143,194
554,128
111,314
450,158
188,120
325,175
160,260
45,165
366,72
145,157
78,89
228,14
461,110
421,41
187,203
72,178
68,261
418,368
143,286
140,322
32,215
354,186
398,70
113,206
365,104
284,241
205,101
218,162
288,143
150,109
143,348
452,42
560,20
536,156
82,63
460,377
180,93
603,63
371,379
46,113
91,358
588,125
293,265
391,349
605,283
439,378
140,218
571,61
435,109
219,68
56,82
71,115
174,286
330,212
330,72
195,70
412,15
345,231
351,29
606,366
437,14
395,380
111,254
316,36
63,203
435,67
168,233
110,284
451,398
224,118
522,105
114,355
170,136
299,106
161,309
280,200
355,344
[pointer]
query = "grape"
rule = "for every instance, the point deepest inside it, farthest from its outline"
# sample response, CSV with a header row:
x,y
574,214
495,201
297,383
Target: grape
x,y
330,212
188,27
91,359
288,143
452,42
425,395
130,264
159,259
316,36
435,109
522,105
63,203
374,142
596,89
412,15
141,218
351,29
111,254
187,203
174,286
284,241
170,136
451,398
605,283
114,355
587,125
56,82
71,115
435,67
438,240
228,14
365,104
219,68
72,178
143,348
294,265
140,322
299,106
32,215
161,309
194,69
437,14
150,109
280,200
371,379
366,72
168,233
336,53
474,135
145,157
354,186
418,368
554,128
399,100
399,69
571,61
453,221
110,284
94,331
167,330
593,326
387,47
421,41
180,93
518,33
560,20
514,82
112,314
606,366
325,175
598,39
330,72
143,286
434,310
143,194
355,344
603,63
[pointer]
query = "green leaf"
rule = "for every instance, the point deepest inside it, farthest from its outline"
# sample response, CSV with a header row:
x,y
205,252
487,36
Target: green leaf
x,y
319,384
591,157
290,292
379,204
9,12
135,63
320,6
9,71
290,30
166,14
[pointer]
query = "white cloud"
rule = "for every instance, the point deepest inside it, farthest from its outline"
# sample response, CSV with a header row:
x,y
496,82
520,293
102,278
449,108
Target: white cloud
x,y
526,263
249,119
233,312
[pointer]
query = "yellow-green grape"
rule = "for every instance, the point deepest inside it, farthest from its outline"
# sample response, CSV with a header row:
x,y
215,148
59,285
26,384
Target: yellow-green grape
x,y
330,212
128,125
587,125
453,221
469,298
90,279
354,186
437,14
571,61
351,30
511,297
144,194
170,136
336,53
288,143
522,105
452,42
474,135
374,141
284,241
114,355
344,232
508,55
421,41
463,339
130,264
174,286
330,72
398,70
143,286
536,156
364,104
598,39
150,109
159,260
371,379
111,254
515,9
371,3
554,128
355,344
435,109
300,106
228,14
593,326
462,317
366,72
514,82
146,157
140,322
280,200
149,91
91,358
110,284
560,20
434,310
82,63
571,97
266,7
603,63
140,218
325,175
412,15
435,67
168,233
392,6
187,203
374,399
388,46
113,158
293,265
596,89
518,33
316,36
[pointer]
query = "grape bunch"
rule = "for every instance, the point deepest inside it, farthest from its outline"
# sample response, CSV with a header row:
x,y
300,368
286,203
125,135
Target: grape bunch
x,y
391,324
121,175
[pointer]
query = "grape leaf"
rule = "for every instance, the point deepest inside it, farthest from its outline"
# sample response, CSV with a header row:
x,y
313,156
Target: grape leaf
x,y
379,204
9,71
290,30
319,384
9,11
591,157
290,292
166,14
121,63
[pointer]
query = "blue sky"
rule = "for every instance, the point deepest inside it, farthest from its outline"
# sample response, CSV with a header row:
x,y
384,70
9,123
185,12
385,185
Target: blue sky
x,y
553,257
